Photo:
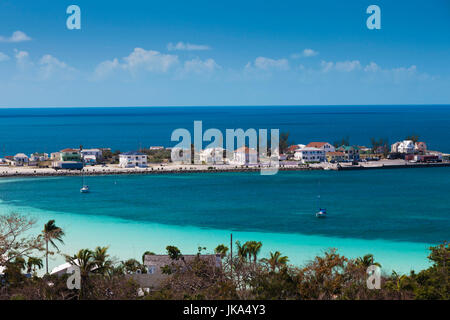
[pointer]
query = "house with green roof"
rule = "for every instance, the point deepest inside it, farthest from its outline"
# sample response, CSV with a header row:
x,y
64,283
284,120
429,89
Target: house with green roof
x,y
350,152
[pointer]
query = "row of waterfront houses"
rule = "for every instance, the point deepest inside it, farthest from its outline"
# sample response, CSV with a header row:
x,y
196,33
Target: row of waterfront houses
x,y
313,152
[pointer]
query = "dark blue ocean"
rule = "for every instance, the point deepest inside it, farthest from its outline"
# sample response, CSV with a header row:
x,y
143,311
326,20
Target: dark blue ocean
x,y
125,129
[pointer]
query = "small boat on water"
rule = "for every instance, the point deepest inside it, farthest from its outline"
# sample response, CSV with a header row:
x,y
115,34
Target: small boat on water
x,y
322,213
84,189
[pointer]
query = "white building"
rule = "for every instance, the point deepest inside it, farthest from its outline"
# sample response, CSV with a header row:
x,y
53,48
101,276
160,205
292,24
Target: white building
x,y
97,153
38,157
212,156
21,159
132,159
325,146
244,156
406,146
309,154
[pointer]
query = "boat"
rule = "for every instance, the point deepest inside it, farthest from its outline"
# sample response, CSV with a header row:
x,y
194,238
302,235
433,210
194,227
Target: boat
x,y
85,187
322,213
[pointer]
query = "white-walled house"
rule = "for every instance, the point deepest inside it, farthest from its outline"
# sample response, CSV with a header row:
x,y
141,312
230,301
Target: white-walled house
x,y
212,156
90,153
244,156
309,154
21,159
406,146
325,146
38,157
132,159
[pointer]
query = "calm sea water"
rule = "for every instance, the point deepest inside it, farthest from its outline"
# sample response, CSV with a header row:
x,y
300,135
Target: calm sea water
x,y
49,130
395,214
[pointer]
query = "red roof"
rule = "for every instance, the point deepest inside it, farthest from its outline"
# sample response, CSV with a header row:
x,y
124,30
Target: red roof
x,y
337,153
246,150
69,150
293,148
316,144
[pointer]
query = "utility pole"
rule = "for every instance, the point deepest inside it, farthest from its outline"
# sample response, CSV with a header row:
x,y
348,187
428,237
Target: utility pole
x,y
231,255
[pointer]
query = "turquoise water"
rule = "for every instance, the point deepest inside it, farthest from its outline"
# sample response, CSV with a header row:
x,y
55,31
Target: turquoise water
x,y
395,214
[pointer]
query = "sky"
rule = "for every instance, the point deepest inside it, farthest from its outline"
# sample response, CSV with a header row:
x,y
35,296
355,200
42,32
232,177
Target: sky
x,y
206,53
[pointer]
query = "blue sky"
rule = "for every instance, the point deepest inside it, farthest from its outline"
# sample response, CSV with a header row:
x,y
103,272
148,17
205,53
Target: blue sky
x,y
164,53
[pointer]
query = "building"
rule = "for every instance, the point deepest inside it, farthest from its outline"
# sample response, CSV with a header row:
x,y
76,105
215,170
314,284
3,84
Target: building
x,y
91,156
325,146
70,155
351,153
308,154
245,156
68,159
212,156
132,160
420,147
21,159
335,156
294,147
405,146
156,148
38,156
154,263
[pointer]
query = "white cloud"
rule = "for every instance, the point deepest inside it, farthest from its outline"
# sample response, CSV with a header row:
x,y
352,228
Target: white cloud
x,y
22,59
105,68
138,60
371,67
264,63
17,36
326,66
199,66
305,54
3,57
343,66
187,47
51,66
347,66
150,60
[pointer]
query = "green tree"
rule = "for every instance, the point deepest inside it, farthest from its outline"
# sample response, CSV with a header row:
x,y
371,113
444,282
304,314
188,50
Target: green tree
x,y
343,142
284,142
275,261
103,263
253,249
34,263
414,138
222,250
367,261
51,234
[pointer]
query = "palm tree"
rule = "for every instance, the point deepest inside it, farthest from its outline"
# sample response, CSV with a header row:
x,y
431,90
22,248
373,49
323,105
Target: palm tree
x,y
101,260
221,250
242,250
275,260
84,259
367,261
253,247
32,263
51,234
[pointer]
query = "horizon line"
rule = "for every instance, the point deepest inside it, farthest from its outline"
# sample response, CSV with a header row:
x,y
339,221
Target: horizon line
x,y
229,106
